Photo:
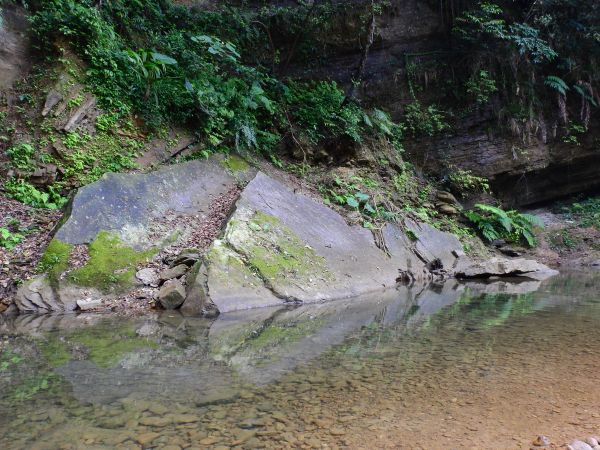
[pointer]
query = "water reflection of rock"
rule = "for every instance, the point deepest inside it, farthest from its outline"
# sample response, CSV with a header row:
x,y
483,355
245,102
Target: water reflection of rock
x,y
187,359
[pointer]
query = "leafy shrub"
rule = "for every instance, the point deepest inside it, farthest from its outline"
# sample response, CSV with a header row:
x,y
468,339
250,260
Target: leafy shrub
x,y
586,212
27,193
319,110
8,239
191,63
495,223
480,87
424,121
21,156
351,193
465,181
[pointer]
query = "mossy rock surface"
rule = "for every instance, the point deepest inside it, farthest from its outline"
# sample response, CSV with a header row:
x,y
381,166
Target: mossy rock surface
x,y
112,264
55,259
235,164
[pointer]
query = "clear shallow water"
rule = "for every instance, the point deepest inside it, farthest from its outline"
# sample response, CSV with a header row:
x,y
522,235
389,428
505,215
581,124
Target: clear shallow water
x,y
446,367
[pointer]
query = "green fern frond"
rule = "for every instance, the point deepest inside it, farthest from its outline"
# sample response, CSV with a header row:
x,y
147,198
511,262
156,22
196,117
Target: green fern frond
x,y
557,83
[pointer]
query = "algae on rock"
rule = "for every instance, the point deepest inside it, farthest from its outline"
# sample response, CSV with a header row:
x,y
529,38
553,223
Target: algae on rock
x,y
273,251
55,260
111,266
235,164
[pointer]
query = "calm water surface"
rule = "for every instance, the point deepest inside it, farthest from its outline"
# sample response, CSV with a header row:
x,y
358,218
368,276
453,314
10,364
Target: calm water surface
x,y
452,366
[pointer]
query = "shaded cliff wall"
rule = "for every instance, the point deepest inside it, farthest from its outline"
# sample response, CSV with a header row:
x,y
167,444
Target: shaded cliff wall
x,y
522,172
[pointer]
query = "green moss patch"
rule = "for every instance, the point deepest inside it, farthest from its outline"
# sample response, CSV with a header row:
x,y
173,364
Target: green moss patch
x,y
276,253
235,164
55,259
111,266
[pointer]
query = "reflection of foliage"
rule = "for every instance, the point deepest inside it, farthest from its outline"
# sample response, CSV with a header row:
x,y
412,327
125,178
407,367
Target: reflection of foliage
x,y
8,359
32,386
489,310
105,345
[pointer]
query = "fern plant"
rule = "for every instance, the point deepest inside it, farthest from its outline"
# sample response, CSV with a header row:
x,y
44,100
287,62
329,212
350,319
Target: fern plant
x,y
495,223
557,83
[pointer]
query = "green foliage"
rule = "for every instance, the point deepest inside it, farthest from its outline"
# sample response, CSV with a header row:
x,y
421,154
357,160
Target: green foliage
x,y
528,42
149,67
424,121
586,212
21,156
573,131
495,223
465,181
75,101
556,83
8,239
193,64
106,122
486,28
528,49
319,110
27,193
353,193
480,87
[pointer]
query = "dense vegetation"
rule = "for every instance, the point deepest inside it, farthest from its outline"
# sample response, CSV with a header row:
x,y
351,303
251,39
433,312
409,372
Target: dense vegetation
x,y
533,64
172,64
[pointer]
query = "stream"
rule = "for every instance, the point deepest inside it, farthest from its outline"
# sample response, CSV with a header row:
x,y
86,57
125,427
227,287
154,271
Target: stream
x,y
451,366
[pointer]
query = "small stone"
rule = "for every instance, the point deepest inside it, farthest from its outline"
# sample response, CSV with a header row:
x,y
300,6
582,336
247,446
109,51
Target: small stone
x,y
220,415
175,272
148,276
89,303
242,436
172,295
592,441
157,408
578,445
446,197
185,418
147,438
187,257
541,441
155,421
337,431
447,209
210,440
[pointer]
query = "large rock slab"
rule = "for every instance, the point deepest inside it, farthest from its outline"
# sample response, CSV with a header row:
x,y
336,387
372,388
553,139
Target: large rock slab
x,y
283,247
279,247
125,220
501,267
133,205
